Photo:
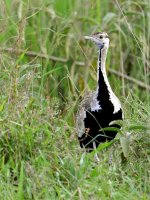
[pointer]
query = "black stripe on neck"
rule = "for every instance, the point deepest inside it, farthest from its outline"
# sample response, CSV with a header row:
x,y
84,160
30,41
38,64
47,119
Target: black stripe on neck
x,y
103,93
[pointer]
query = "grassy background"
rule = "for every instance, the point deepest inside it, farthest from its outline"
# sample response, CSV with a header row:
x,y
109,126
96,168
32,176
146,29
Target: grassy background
x,y
45,66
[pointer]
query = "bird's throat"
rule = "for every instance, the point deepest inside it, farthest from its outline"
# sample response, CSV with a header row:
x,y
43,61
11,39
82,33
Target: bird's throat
x,y
102,59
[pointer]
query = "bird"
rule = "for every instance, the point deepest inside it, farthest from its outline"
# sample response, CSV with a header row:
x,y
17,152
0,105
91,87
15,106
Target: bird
x,y
100,108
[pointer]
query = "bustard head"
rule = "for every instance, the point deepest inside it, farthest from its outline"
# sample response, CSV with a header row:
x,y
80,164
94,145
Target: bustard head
x,y
100,38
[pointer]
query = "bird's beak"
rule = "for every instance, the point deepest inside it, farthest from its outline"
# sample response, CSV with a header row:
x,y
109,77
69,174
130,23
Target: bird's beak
x,y
96,40
92,39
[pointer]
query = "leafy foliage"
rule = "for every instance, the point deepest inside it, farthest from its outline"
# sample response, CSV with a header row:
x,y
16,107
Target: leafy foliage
x,y
45,66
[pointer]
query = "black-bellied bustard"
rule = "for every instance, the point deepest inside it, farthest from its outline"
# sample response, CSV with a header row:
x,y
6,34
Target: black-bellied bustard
x,y
101,107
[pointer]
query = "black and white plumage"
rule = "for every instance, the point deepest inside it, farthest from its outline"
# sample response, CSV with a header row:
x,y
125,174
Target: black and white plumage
x,y
99,108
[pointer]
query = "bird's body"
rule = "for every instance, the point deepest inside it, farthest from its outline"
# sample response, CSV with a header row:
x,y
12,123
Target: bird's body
x,y
99,108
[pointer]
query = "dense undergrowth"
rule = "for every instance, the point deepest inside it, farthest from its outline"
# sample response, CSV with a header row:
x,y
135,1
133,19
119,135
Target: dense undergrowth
x,y
45,67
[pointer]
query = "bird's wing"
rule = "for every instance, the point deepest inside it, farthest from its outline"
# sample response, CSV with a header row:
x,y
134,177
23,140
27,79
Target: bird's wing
x,y
81,115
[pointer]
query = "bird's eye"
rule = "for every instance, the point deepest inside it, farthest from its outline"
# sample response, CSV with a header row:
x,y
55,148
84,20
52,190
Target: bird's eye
x,y
101,37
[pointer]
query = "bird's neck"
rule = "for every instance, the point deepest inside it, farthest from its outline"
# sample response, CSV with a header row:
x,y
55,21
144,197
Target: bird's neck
x,y
103,87
105,95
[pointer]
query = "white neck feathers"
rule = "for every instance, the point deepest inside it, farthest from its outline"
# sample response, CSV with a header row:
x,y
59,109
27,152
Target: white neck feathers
x,y
101,66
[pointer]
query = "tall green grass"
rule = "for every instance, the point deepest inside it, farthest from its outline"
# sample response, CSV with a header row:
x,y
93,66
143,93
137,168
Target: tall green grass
x,y
40,157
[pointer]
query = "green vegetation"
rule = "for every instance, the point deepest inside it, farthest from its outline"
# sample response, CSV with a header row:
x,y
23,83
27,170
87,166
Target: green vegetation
x,y
45,67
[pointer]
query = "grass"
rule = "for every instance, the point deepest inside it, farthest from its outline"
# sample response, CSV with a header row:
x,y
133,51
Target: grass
x,y
40,157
